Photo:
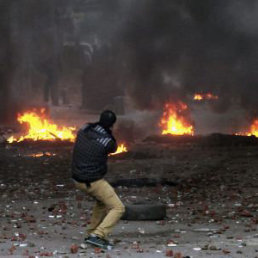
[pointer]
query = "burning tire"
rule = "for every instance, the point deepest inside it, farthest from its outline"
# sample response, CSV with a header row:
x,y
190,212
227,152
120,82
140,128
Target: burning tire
x,y
144,212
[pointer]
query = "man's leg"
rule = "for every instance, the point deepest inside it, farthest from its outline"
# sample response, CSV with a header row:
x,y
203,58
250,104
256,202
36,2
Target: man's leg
x,y
105,193
98,213
99,210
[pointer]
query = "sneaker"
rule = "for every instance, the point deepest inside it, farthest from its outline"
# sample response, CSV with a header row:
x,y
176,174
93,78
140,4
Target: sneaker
x,y
99,242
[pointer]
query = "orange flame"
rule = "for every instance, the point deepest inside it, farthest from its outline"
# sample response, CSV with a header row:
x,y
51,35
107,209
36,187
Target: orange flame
x,y
173,122
198,97
254,128
121,148
208,96
40,154
40,128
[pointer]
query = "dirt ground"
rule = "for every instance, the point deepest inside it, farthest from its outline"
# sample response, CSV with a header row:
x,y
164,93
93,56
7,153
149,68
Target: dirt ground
x,y
211,212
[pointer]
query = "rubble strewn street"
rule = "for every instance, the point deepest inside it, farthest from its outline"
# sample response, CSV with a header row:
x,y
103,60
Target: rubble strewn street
x,y
211,208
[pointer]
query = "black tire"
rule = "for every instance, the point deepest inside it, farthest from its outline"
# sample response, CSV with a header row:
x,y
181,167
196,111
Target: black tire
x,y
144,212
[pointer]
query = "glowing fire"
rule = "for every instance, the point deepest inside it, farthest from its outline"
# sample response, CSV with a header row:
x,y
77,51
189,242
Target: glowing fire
x,y
40,128
40,154
121,148
173,120
253,130
206,96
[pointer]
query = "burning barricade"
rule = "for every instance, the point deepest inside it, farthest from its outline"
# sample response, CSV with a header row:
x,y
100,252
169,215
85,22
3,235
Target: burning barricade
x,y
40,128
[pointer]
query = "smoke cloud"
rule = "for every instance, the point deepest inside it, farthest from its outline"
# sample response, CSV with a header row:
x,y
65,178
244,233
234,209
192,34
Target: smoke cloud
x,y
178,48
155,51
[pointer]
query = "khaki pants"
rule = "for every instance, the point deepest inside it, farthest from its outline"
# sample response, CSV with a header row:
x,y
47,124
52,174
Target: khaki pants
x,y
107,210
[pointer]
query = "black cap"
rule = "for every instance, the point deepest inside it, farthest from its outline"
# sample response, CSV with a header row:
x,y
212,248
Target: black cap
x,y
107,118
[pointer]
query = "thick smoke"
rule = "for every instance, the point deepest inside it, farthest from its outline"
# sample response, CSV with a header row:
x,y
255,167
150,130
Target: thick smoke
x,y
178,48
154,51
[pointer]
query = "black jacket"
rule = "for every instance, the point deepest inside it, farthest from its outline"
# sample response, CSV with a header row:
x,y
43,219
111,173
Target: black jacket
x,y
91,149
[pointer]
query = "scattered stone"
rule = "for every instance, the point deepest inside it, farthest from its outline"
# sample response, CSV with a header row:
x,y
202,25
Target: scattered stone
x,y
225,251
169,253
74,249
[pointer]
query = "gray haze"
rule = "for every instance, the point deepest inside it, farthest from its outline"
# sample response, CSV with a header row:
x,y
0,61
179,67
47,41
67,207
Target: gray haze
x,y
153,51
183,47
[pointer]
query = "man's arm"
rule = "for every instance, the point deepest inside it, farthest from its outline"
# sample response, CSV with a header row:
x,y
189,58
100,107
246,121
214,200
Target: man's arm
x,y
112,146
109,143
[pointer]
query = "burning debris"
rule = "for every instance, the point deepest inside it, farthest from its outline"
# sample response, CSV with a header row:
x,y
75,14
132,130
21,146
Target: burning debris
x,y
174,120
205,96
40,127
40,154
120,149
253,130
